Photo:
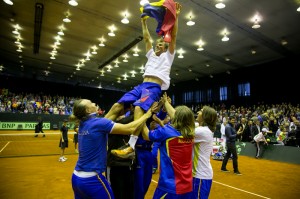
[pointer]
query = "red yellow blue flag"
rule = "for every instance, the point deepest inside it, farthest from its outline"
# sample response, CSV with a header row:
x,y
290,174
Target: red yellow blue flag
x,y
164,11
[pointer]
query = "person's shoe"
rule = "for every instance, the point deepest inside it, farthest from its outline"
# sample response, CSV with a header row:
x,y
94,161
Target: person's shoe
x,y
237,173
35,135
64,158
154,170
225,170
44,136
125,152
256,157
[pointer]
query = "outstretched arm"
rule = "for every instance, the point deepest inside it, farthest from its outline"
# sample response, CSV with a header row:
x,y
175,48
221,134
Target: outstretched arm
x,y
146,34
172,45
167,105
131,127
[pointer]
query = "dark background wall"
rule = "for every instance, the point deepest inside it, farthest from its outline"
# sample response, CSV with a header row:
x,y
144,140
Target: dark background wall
x,y
273,82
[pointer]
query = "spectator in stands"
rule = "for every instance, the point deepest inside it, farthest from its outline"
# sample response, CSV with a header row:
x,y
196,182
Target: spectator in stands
x,y
255,127
241,127
281,139
291,137
247,132
260,140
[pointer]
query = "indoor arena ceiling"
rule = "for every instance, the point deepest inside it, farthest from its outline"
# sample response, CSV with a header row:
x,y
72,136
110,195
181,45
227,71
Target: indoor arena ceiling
x,y
39,21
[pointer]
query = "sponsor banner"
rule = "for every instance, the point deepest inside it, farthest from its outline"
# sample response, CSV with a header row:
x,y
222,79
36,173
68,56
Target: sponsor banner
x,y
22,125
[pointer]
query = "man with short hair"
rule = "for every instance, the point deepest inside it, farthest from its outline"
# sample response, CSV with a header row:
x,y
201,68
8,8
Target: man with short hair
x,y
156,79
231,135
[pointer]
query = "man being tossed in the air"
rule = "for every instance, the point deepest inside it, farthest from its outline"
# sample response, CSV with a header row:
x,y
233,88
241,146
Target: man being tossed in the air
x,y
156,79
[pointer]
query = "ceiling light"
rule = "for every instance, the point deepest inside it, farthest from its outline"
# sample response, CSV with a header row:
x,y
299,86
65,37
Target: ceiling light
x,y
66,19
200,48
102,44
119,81
284,42
142,69
225,38
220,5
16,32
190,22
19,50
133,73
125,19
18,42
109,67
52,57
253,52
78,68
180,51
100,85
61,32
256,24
116,64
112,29
200,44
73,3
9,2
180,56
298,9
111,34
125,58
227,59
125,76
211,76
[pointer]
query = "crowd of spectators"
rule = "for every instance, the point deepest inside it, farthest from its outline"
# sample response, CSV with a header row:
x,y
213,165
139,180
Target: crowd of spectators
x,y
35,103
281,120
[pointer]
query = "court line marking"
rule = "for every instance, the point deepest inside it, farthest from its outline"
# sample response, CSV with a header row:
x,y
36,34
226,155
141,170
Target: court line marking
x,y
232,188
240,190
4,147
23,134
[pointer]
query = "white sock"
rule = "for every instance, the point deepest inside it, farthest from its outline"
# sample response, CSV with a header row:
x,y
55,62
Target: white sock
x,y
132,140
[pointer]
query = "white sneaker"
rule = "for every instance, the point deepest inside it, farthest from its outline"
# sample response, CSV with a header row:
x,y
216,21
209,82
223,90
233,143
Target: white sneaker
x,y
64,158
61,159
